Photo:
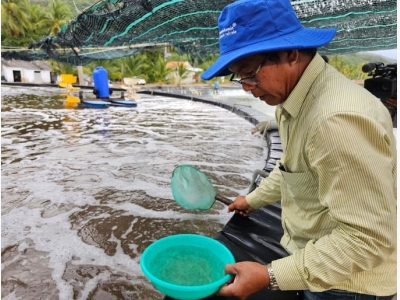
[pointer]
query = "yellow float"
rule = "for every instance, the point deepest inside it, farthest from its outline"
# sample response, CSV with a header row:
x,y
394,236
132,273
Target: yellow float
x,y
66,82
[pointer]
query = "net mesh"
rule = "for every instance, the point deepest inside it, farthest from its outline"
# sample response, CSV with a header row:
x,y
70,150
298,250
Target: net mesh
x,y
191,188
113,29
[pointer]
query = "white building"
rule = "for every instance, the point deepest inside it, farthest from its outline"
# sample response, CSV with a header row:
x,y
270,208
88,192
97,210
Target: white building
x,y
25,71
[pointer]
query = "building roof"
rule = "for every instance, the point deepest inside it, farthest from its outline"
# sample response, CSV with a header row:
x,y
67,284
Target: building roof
x,y
37,65
175,64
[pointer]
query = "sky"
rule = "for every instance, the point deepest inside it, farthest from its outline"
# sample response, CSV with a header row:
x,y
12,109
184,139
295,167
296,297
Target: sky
x,y
392,53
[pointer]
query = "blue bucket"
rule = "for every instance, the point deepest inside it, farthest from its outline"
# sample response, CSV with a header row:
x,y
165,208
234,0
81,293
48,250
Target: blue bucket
x,y
186,266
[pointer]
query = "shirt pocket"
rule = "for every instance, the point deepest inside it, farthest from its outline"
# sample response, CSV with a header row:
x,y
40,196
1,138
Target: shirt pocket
x,y
300,188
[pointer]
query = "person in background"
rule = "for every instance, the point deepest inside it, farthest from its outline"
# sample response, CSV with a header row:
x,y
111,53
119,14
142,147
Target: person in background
x,y
216,87
336,178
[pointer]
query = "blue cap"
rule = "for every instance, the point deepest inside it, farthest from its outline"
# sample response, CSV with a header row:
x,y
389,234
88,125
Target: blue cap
x,y
254,26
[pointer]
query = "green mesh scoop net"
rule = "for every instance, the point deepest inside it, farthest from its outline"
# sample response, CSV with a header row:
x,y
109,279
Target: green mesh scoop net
x,y
192,189
112,29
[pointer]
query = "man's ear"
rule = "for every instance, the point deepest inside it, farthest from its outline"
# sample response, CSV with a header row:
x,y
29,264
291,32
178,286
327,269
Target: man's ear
x,y
292,56
289,56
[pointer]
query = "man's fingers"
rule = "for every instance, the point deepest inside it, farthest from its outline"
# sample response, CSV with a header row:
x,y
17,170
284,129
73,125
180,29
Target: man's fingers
x,y
223,291
243,213
230,269
231,207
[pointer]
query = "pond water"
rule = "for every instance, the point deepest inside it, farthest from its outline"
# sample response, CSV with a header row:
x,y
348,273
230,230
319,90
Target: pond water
x,y
85,191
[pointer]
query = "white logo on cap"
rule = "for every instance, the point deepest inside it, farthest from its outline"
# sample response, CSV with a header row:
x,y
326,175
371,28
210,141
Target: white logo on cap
x,y
227,31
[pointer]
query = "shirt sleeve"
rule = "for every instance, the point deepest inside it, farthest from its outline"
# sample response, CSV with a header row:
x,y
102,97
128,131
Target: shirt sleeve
x,y
354,160
269,190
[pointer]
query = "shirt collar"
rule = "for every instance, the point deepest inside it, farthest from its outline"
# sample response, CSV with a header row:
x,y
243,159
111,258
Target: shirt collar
x,y
293,103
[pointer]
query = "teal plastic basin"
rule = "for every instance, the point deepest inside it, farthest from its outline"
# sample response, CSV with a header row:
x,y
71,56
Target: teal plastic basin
x,y
186,266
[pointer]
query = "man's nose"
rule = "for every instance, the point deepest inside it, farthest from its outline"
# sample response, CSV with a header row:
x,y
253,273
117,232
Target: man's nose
x,y
248,87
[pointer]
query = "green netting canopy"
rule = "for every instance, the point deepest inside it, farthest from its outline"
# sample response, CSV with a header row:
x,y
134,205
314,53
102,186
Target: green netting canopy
x,y
119,28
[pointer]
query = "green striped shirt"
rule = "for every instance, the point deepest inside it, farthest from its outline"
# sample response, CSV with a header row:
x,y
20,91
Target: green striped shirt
x,y
338,187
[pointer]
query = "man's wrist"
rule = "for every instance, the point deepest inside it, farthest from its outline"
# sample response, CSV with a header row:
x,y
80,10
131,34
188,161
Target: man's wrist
x,y
273,284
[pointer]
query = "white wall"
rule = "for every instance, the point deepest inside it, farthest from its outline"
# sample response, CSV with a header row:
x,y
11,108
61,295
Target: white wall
x,y
46,77
8,74
27,76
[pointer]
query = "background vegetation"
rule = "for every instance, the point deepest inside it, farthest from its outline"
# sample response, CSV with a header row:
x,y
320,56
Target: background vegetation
x,y
25,21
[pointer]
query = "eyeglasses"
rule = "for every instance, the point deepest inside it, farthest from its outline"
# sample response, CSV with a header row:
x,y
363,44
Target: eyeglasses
x,y
252,79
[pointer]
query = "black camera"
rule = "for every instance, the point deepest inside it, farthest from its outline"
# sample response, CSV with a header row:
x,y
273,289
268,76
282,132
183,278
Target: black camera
x,y
383,83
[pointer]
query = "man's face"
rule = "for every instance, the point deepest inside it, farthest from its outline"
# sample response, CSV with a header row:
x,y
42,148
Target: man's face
x,y
276,79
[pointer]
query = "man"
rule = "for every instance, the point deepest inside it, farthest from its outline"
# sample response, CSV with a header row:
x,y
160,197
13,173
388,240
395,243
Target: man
x,y
337,174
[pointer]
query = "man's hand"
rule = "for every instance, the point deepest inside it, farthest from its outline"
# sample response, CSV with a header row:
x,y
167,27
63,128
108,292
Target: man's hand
x,y
250,277
240,206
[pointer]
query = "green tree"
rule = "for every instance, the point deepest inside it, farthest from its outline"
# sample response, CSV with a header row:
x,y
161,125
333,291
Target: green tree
x,y
38,19
15,22
135,65
59,14
113,68
350,70
62,68
181,73
23,23
360,75
160,70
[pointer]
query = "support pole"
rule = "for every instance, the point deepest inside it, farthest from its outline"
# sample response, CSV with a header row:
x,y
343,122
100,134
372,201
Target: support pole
x,y
81,77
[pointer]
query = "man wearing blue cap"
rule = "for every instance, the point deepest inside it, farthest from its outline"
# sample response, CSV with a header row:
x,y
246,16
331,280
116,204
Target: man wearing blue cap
x,y
337,175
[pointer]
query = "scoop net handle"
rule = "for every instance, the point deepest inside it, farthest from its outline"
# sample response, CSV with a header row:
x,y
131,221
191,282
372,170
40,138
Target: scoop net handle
x,y
223,199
